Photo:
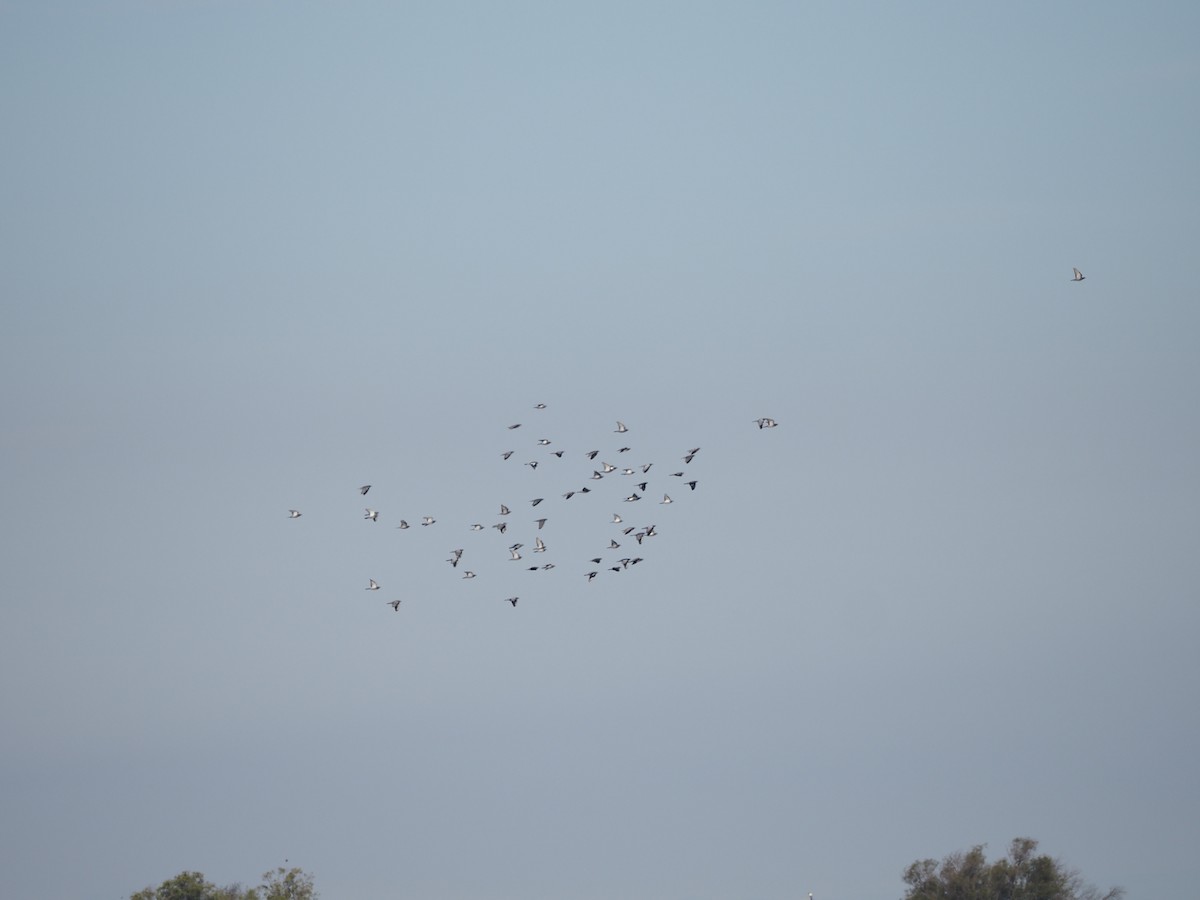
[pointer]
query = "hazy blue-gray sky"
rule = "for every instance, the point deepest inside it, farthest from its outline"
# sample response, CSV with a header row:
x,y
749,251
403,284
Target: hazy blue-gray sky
x,y
255,254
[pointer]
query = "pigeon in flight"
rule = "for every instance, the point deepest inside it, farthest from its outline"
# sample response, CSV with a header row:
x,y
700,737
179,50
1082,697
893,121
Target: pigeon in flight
x,y
1079,276
427,520
512,600
373,586
371,514
537,501
515,554
394,604
477,527
632,497
617,519
293,513
363,490
468,574
620,429
503,510
766,423
538,545
692,484
591,575
539,406
592,454
501,527
511,427
532,464
402,524
507,453
542,442
540,523
666,499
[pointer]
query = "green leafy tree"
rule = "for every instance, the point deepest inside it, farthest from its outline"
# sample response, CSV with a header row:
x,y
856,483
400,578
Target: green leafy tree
x,y
1022,875
193,886
277,884
287,884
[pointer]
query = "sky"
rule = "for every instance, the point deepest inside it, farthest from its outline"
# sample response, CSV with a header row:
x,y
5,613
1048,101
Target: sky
x,y
255,255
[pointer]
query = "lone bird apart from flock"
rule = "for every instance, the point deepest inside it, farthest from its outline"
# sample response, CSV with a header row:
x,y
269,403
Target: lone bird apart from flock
x,y
766,423
293,513
1079,276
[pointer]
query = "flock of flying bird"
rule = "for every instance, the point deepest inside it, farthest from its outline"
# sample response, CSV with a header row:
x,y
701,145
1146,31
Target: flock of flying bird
x,y
625,540
619,555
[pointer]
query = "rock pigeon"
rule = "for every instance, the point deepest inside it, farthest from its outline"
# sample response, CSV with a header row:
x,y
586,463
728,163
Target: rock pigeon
x,y
1079,276
373,586
293,513
371,514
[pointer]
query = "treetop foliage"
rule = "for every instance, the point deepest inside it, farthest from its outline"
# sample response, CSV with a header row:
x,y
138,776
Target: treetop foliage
x,y
1022,875
278,884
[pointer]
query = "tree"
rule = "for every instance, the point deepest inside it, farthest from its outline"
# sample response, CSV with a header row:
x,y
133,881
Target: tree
x,y
193,886
1022,875
278,884
287,884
